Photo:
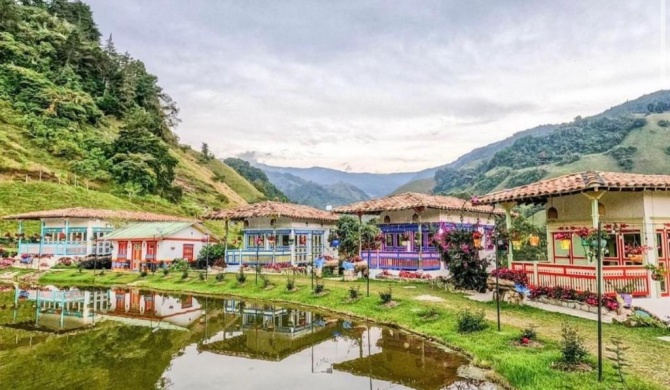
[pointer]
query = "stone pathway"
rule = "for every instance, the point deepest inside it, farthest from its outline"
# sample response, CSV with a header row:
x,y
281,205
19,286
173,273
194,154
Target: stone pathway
x,y
607,318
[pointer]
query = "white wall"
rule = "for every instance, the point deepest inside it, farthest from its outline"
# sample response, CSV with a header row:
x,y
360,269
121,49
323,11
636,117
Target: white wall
x,y
432,216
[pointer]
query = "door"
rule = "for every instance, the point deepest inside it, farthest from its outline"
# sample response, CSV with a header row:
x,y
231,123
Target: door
x,y
136,255
187,252
151,251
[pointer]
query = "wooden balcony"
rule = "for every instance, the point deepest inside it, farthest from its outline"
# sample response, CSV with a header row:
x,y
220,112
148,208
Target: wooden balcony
x,y
584,278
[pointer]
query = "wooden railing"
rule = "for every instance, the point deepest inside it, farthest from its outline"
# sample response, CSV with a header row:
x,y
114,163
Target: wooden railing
x,y
584,277
408,261
250,256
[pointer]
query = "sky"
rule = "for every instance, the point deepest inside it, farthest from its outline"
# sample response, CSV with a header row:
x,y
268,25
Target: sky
x,y
386,86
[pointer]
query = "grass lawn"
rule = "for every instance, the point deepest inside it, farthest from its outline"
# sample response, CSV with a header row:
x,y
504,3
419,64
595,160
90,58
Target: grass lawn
x,y
522,368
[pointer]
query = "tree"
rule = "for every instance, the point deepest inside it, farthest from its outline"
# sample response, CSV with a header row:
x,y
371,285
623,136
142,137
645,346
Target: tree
x,y
206,155
210,254
347,232
457,249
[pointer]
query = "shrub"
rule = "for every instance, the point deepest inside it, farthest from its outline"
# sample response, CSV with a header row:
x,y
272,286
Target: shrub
x,y
184,275
663,123
102,272
241,277
220,276
354,292
469,322
266,281
573,352
166,271
201,276
527,335
319,288
290,283
386,296
143,274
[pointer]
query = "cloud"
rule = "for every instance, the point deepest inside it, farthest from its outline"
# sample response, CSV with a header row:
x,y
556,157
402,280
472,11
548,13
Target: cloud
x,y
385,86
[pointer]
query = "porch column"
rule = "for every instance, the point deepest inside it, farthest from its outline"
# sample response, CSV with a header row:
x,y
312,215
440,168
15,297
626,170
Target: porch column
x,y
274,242
649,238
89,239
292,242
310,255
508,224
67,235
420,233
360,237
41,237
225,241
595,219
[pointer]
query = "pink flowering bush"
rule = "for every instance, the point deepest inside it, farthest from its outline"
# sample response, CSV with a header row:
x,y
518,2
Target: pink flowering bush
x,y
517,276
570,294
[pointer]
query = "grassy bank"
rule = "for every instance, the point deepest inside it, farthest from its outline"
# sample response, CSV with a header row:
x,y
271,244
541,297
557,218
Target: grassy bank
x,y
521,367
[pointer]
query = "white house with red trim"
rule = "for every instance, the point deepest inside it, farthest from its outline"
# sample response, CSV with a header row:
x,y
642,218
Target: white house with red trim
x,y
634,211
139,245
140,307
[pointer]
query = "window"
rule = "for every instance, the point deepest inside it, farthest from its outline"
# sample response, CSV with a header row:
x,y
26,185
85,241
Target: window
x,y
387,219
631,240
123,248
187,252
285,240
431,236
388,240
659,245
415,218
552,213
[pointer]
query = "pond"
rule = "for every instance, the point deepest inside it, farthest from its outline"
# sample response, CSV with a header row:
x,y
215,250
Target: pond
x,y
139,339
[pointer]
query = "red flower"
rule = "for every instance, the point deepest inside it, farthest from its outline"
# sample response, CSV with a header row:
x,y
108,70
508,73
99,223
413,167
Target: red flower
x,y
525,340
476,235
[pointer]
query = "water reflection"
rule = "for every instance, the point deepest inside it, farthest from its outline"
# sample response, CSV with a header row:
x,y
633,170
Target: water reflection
x,y
130,338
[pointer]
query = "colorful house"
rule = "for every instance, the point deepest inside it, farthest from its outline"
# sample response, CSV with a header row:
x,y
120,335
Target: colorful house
x,y
408,222
276,232
145,244
76,231
634,210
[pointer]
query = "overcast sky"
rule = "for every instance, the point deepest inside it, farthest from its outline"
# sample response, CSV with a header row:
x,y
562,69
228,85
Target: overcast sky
x,y
385,86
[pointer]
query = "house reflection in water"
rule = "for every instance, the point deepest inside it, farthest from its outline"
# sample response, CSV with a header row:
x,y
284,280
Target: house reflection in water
x,y
408,360
148,308
67,310
61,310
267,332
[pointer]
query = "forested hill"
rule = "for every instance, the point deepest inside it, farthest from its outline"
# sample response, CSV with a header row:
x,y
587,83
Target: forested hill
x,y
76,111
257,177
631,137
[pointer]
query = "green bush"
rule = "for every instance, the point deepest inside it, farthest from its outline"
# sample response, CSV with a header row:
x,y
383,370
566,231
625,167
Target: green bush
x,y
241,277
166,271
184,275
290,283
573,351
386,296
354,292
319,288
469,322
220,276
143,274
201,275
266,281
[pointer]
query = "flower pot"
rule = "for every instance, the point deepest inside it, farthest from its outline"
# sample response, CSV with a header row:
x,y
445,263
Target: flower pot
x,y
627,300
534,240
516,244
565,244
635,258
656,277
477,242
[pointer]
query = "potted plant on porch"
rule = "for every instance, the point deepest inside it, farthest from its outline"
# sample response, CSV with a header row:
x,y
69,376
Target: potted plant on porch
x,y
626,293
565,238
657,271
635,252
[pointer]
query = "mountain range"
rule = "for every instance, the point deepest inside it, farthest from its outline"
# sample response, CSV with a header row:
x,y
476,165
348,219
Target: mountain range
x,y
622,138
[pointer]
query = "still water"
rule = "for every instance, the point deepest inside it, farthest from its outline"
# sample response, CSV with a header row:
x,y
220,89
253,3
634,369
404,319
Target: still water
x,y
139,339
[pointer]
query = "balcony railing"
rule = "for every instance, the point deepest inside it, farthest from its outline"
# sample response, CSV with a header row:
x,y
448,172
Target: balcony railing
x,y
584,277
250,256
409,261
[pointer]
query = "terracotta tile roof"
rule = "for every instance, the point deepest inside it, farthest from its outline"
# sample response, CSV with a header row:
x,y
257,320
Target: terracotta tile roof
x,y
79,212
576,183
412,200
276,210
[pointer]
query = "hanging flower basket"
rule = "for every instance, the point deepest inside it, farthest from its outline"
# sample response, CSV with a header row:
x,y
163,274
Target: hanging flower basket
x,y
534,240
565,244
477,239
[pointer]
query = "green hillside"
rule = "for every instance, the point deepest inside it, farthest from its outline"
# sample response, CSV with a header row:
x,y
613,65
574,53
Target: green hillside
x,y
76,115
422,186
257,177
632,137
309,193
